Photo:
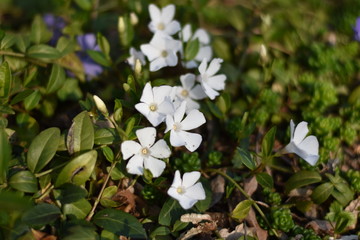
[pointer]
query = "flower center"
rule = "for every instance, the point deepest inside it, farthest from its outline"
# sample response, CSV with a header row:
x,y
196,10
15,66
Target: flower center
x,y
161,26
153,107
184,93
180,190
164,53
145,151
177,127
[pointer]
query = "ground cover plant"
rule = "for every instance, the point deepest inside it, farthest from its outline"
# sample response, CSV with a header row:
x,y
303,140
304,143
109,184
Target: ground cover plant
x,y
179,119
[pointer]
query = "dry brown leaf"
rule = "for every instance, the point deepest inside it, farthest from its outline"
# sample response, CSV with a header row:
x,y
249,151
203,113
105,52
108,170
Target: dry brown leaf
x,y
38,235
234,235
217,188
206,228
252,221
353,208
195,218
127,198
320,227
250,185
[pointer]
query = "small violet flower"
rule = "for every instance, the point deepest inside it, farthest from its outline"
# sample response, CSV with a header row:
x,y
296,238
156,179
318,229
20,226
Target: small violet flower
x,y
55,24
88,42
178,127
205,50
162,20
357,29
210,83
186,190
155,103
161,51
134,55
146,154
305,147
189,92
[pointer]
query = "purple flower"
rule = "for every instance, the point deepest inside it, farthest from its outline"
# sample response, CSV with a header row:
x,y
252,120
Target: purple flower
x,y
55,24
357,29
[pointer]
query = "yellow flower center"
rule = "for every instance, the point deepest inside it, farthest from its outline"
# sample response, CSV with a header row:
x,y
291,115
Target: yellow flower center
x,y
180,190
161,26
164,53
176,126
144,151
184,93
153,107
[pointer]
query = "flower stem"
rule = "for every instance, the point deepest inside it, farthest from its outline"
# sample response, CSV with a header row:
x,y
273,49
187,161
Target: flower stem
x,y
97,201
256,206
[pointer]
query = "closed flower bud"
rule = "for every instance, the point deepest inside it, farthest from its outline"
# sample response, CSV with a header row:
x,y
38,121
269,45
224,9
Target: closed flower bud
x,y
100,105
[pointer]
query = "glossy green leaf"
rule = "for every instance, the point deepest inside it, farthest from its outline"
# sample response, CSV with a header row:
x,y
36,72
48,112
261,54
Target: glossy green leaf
x,y
103,44
41,214
70,90
118,110
108,153
130,126
120,223
7,41
24,181
5,80
265,180
5,150
170,212
302,178
13,201
78,170
22,42
80,209
65,45
56,80
84,4
39,32
214,109
105,136
21,96
81,134
342,193
70,193
81,232
99,57
160,231
32,101
43,149
43,52
192,49
322,192
242,210
268,143
246,158
106,198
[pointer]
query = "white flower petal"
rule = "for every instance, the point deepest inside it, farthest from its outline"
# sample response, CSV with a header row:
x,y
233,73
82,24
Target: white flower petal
x,y
129,148
155,166
135,165
214,66
177,179
147,94
292,127
202,35
211,93
186,33
155,13
143,108
203,66
197,93
150,51
172,28
191,105
194,119
300,132
204,52
161,92
155,118
157,64
187,81
310,145
146,136
166,107
187,203
190,178
179,113
160,149
176,140
217,82
169,123
171,59
168,13
196,192
192,140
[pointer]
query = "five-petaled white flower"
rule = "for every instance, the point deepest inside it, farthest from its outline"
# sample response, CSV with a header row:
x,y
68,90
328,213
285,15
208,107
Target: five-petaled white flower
x,y
155,103
179,126
145,154
186,190
210,83
162,20
134,55
189,92
161,51
305,147
205,50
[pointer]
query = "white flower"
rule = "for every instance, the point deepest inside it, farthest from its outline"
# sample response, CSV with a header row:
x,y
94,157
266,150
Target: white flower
x,y
178,126
161,51
189,92
305,147
162,20
210,83
145,154
100,105
134,55
205,50
185,190
155,103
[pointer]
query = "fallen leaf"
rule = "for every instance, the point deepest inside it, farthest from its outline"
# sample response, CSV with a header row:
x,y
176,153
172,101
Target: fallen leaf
x,y
217,188
38,235
195,218
320,227
250,185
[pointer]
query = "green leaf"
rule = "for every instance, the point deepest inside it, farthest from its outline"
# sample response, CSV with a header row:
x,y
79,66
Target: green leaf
x,y
78,170
246,158
21,96
265,180
42,149
13,201
342,193
99,57
103,44
302,178
5,80
160,231
81,134
6,109
108,153
70,193
56,80
22,42
70,90
203,205
32,100
170,212
214,109
322,192
105,136
24,181
65,45
39,32
343,220
84,4
7,41
126,30
192,49
118,111
268,143
5,150
130,125
106,200
43,52
120,223
81,232
41,214
242,210
80,209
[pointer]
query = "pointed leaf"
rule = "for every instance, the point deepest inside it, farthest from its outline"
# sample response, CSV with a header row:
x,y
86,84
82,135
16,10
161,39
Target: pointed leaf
x,y
81,134
99,57
80,209
43,52
170,212
5,150
21,96
42,149
242,210
70,193
322,192
246,158
41,214
32,100
56,80
268,143
265,180
24,181
5,80
302,178
192,49
39,32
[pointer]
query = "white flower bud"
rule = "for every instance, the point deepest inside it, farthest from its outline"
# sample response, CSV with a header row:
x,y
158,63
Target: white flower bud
x,y
121,25
134,19
100,105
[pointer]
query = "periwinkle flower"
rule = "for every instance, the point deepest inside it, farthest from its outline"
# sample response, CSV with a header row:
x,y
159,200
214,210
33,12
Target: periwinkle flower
x,y
135,55
357,29
162,19
55,24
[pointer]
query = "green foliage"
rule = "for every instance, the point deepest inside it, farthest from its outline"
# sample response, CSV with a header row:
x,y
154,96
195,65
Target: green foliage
x,y
189,162
281,219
